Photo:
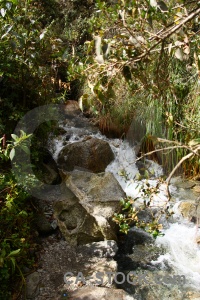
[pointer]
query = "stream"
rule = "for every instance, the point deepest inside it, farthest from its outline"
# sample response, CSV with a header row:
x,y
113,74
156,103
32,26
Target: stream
x,y
176,253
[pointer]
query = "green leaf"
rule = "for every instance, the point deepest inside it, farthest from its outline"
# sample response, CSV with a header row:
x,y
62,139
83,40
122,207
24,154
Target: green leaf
x,y
3,12
3,252
14,1
163,7
23,213
13,263
101,97
12,153
179,54
25,149
153,3
14,136
5,34
42,34
1,261
194,142
13,253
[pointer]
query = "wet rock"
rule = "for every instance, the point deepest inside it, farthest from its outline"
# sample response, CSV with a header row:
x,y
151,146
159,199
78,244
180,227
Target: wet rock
x,y
41,223
50,174
136,236
85,215
188,209
185,184
72,107
154,285
196,188
46,168
90,153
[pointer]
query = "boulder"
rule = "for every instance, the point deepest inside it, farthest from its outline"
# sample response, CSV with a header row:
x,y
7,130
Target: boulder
x,y
45,167
41,224
76,224
188,209
85,214
32,285
72,107
96,293
91,153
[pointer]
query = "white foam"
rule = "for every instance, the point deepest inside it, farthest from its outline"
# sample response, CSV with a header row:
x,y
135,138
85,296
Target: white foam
x,y
183,252
124,162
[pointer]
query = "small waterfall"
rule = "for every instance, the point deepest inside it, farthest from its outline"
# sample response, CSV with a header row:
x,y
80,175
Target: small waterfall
x,y
182,252
179,240
124,162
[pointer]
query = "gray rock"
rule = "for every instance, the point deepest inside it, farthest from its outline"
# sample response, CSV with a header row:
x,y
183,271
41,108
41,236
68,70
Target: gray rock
x,y
152,285
136,236
32,285
49,175
72,107
85,215
189,209
96,293
91,153
46,167
185,184
99,249
61,258
42,224
75,223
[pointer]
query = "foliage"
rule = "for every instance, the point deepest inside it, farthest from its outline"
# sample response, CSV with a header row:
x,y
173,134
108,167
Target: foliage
x,y
130,215
128,61
144,61
131,207
15,219
9,151
29,52
37,42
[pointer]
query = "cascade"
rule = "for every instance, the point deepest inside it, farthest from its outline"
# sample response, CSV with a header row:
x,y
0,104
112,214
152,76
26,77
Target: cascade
x,y
182,253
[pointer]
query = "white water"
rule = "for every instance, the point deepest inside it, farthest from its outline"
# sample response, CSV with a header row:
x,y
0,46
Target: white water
x,y
179,240
182,251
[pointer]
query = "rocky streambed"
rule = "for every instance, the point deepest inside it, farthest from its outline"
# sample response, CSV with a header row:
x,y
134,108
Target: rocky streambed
x,y
81,254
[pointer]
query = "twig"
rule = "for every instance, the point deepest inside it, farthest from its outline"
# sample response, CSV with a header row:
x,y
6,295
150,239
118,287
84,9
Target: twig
x,y
161,149
168,33
180,162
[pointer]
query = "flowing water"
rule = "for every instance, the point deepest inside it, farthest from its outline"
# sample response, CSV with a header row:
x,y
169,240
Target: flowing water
x,y
182,253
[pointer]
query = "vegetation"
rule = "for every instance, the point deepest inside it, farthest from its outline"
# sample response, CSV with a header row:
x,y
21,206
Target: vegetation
x,y
130,215
29,51
15,219
126,62
150,73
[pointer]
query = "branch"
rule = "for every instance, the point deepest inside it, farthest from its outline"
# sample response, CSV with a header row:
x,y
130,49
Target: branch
x,y
162,149
180,162
167,33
